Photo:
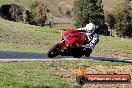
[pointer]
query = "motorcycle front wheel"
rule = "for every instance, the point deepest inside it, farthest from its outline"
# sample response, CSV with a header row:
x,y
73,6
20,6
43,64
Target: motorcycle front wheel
x,y
53,51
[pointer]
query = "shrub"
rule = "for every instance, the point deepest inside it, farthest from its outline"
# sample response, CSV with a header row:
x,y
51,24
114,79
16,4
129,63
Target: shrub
x,y
123,20
13,12
37,14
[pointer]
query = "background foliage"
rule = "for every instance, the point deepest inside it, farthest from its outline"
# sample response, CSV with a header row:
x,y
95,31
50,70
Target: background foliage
x,y
86,11
123,19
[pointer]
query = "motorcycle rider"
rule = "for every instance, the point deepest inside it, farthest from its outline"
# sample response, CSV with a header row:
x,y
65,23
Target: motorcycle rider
x,y
92,38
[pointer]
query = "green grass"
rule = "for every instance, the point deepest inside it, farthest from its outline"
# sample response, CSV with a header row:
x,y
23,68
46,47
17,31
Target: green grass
x,y
23,37
107,42
29,75
18,48
43,74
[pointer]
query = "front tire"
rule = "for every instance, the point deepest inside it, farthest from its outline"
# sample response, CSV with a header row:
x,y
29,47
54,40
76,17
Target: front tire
x,y
53,51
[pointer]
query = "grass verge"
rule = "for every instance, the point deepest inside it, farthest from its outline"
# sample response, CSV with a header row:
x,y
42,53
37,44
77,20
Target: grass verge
x,y
45,74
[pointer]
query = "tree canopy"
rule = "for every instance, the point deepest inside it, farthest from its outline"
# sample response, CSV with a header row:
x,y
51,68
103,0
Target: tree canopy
x,y
123,20
88,10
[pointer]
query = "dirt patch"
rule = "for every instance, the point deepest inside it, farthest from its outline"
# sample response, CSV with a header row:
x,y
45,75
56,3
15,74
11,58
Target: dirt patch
x,y
124,54
115,53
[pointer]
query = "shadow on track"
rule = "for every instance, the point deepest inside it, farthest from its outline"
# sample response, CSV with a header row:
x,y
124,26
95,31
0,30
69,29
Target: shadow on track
x,y
26,55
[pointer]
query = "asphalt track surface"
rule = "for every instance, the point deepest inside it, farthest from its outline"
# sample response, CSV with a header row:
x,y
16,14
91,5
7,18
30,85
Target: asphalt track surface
x,y
22,56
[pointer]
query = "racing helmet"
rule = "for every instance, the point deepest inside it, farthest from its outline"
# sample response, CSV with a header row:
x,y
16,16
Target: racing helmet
x,y
90,27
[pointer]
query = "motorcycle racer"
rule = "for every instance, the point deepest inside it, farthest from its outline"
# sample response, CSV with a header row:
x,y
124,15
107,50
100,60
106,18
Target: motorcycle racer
x,y
76,42
92,38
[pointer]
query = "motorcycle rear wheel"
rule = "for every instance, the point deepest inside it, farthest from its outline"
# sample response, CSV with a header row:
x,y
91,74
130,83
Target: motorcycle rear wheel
x,y
53,51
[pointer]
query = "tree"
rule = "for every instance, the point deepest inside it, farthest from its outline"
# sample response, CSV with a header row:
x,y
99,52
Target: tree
x,y
86,11
123,20
13,12
37,13
110,20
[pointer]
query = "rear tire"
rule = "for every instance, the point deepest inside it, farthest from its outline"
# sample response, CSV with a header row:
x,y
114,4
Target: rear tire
x,y
53,51
87,52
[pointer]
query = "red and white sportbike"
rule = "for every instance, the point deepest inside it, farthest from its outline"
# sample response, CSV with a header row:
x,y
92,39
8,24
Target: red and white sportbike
x,y
72,44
